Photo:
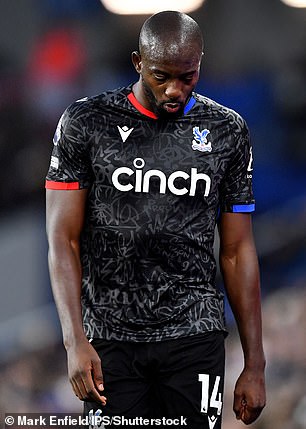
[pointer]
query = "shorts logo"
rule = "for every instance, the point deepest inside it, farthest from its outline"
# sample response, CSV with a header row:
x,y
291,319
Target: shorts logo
x,y
200,140
141,182
214,401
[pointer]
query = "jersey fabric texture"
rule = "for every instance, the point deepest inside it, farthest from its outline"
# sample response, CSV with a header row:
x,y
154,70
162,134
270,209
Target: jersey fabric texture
x,y
155,190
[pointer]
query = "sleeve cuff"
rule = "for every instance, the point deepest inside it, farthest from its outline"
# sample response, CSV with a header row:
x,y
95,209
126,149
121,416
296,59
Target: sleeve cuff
x,y
62,185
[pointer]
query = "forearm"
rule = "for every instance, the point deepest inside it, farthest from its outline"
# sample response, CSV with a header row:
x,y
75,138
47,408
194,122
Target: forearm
x,y
241,277
65,274
239,266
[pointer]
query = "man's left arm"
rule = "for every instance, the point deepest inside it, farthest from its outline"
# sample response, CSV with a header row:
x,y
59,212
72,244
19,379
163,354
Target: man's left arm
x,y
239,267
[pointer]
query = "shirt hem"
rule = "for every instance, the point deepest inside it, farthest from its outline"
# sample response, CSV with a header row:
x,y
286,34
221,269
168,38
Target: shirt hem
x,y
105,334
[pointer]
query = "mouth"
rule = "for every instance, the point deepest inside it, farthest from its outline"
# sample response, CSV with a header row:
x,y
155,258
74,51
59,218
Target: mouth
x,y
172,107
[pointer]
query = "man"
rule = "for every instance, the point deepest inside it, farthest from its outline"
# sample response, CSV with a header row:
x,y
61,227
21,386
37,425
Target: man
x,y
139,178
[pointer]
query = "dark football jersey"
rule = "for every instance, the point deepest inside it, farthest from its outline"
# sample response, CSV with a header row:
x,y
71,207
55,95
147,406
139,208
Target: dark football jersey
x,y
155,190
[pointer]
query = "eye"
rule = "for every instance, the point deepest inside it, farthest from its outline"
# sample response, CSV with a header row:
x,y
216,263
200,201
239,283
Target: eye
x,y
188,78
159,77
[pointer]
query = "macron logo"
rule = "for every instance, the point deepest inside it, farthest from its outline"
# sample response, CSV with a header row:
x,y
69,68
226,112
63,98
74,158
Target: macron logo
x,y
124,132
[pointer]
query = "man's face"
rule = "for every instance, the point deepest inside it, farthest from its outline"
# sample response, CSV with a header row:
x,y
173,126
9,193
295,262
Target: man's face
x,y
168,77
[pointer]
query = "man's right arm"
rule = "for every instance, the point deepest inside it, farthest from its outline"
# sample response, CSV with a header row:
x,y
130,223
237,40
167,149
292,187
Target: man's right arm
x,y
64,220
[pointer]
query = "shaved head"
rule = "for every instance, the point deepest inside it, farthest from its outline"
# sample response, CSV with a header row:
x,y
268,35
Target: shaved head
x,y
168,62
167,33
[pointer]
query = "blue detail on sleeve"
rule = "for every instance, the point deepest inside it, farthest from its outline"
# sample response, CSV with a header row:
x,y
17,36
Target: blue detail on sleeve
x,y
189,105
243,208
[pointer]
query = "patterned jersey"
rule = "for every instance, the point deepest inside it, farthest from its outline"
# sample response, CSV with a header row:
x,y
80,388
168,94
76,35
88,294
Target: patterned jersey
x,y
155,190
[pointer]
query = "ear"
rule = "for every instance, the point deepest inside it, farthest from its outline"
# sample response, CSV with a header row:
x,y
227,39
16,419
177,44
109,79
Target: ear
x,y
136,60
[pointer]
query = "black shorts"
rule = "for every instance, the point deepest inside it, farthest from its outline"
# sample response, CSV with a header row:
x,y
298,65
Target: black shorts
x,y
176,383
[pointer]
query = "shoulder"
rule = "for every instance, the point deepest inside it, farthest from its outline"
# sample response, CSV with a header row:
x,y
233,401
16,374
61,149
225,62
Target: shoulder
x,y
87,105
218,111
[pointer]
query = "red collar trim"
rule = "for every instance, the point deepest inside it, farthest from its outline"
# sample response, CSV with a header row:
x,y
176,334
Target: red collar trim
x,y
131,97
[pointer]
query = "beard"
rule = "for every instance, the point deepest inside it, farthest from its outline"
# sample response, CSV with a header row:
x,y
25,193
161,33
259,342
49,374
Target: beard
x,y
158,108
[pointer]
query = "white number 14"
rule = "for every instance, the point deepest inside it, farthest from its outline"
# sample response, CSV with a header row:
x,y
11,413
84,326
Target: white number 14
x,y
216,397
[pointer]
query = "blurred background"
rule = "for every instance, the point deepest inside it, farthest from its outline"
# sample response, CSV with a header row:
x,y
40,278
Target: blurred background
x,y
53,52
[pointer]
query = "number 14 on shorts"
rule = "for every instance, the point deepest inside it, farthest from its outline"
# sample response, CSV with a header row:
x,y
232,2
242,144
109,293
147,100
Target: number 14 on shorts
x,y
214,401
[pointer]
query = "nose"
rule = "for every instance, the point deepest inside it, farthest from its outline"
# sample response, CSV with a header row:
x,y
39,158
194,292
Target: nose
x,y
174,90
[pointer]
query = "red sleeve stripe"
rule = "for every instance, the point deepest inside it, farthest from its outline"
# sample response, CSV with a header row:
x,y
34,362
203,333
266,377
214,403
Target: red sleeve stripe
x,y
62,186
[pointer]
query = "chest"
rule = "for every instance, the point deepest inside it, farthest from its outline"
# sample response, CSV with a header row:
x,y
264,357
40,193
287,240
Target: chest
x,y
182,156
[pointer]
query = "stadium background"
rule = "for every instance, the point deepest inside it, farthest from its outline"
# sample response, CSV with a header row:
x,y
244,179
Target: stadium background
x,y
53,52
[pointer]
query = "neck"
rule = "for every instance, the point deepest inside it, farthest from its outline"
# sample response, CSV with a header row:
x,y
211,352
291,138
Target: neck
x,y
140,95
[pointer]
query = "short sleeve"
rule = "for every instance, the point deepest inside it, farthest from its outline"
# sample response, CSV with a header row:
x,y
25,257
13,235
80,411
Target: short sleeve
x,y
70,166
236,189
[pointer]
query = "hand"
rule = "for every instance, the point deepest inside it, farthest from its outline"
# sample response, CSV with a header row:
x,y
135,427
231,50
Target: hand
x,y
249,395
85,372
